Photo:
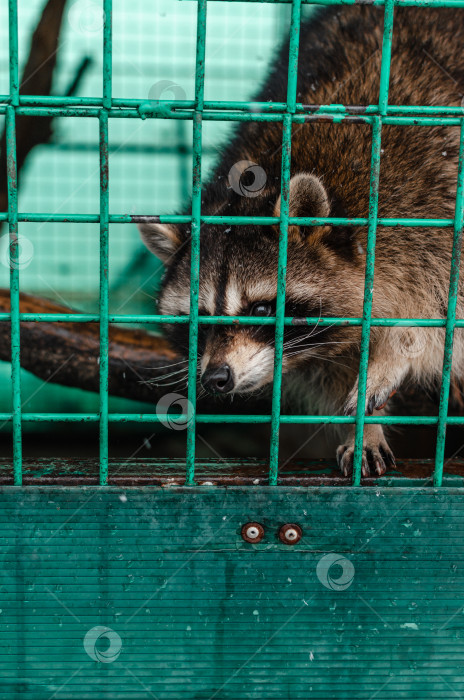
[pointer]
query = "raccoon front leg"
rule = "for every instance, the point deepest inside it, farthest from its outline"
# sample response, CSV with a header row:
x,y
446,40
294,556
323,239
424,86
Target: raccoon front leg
x,y
384,376
376,455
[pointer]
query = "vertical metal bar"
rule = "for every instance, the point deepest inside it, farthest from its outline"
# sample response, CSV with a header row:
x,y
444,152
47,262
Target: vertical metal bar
x,y
368,294
104,294
294,46
195,239
371,240
450,316
386,56
13,50
14,291
107,53
283,237
104,238
12,181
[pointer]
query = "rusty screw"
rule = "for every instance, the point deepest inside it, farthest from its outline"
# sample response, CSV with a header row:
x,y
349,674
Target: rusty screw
x,y
290,534
252,532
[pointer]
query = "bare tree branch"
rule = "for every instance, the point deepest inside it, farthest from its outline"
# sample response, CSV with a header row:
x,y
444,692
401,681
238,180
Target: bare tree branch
x,y
68,354
37,79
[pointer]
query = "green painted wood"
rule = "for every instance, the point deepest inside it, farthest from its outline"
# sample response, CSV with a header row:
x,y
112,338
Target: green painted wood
x,y
194,612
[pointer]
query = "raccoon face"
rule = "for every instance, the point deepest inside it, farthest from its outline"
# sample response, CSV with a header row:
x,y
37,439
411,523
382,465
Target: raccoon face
x,y
238,277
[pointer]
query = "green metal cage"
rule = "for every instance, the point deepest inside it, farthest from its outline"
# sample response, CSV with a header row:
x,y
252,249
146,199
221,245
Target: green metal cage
x,y
77,544
198,111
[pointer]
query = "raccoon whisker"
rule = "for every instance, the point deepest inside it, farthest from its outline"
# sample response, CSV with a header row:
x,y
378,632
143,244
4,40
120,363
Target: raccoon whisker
x,y
330,360
318,345
319,319
322,329
154,382
294,341
182,374
304,348
166,366
182,380
254,331
172,374
326,359
248,395
317,322
162,382
147,382
334,362
332,342
294,344
299,352
320,313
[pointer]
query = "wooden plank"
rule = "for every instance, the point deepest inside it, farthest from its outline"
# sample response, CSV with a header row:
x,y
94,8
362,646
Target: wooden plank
x,y
168,472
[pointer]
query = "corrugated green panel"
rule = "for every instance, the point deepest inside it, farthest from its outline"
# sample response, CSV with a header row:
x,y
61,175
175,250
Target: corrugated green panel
x,y
194,612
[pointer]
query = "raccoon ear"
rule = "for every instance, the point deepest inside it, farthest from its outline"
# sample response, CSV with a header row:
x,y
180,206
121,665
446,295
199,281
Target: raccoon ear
x,y
161,239
308,197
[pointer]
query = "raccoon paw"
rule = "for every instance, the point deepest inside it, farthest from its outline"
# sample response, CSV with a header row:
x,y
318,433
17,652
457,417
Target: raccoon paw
x,y
376,458
375,400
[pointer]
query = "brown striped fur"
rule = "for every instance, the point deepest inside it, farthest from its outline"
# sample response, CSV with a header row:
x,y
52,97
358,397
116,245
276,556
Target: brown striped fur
x,y
339,62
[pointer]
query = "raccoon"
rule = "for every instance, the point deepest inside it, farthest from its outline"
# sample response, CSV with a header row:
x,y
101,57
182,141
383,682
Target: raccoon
x,y
339,62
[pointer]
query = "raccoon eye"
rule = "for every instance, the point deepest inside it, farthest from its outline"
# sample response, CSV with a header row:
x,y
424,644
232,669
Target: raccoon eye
x,y
261,308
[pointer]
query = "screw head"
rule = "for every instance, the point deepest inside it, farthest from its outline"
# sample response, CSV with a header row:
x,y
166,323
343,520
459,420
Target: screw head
x,y
290,533
252,532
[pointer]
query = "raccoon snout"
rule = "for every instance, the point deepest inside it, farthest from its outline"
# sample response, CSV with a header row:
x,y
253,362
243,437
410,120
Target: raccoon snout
x,y
218,380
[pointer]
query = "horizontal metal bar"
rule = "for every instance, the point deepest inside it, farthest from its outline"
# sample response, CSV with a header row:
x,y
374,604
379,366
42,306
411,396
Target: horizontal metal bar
x,y
379,3
232,320
32,217
213,418
245,106
318,221
149,110
41,217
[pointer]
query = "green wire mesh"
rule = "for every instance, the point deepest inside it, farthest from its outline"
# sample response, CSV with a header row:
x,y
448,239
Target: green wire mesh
x,y
153,45
200,111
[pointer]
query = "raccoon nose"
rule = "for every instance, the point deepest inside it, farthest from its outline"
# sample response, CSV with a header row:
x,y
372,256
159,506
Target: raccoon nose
x,y
218,380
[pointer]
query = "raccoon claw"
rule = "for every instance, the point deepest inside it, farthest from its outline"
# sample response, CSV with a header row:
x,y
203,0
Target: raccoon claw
x,y
376,402
375,459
